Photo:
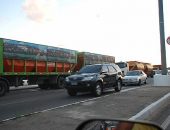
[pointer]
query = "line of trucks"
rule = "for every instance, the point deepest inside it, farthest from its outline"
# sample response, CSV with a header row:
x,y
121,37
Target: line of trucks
x,y
136,65
46,66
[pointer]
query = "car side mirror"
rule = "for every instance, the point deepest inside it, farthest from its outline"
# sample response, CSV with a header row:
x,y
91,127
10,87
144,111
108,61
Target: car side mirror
x,y
110,124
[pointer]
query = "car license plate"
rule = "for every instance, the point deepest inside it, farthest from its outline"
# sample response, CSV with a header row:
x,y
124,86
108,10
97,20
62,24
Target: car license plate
x,y
73,83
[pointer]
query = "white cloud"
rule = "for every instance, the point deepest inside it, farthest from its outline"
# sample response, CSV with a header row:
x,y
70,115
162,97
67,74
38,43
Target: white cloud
x,y
128,30
40,10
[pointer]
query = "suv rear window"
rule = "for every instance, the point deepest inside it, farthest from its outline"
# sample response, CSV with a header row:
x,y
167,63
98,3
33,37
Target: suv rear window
x,y
111,69
105,69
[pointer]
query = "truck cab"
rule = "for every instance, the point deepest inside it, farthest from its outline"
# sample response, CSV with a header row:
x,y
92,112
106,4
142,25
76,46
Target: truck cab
x,y
124,66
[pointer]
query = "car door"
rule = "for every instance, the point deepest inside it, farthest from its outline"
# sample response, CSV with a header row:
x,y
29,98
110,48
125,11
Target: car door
x,y
112,75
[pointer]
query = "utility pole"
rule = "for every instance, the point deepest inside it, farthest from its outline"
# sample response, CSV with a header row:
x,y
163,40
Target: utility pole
x,y
162,38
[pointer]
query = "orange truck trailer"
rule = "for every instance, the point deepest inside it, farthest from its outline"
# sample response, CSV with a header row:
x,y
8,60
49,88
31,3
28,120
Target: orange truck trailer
x,y
146,67
136,65
39,64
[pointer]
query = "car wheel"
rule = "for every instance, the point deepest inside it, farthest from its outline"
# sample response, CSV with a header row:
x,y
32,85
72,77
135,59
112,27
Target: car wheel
x,y
71,92
139,83
97,89
118,86
145,81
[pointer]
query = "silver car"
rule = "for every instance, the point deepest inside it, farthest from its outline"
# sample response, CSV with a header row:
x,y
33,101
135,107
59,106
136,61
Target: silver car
x,y
136,77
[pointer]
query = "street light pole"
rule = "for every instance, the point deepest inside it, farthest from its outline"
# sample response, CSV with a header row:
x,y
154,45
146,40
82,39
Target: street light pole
x,y
162,37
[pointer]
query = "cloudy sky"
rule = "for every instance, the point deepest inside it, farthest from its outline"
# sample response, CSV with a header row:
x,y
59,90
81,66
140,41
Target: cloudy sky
x,y
126,29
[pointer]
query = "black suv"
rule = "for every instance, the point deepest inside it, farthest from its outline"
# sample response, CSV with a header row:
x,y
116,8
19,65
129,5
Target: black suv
x,y
94,78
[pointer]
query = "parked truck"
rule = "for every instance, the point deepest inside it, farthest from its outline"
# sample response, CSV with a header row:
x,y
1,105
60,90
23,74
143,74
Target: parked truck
x,y
46,66
136,65
87,58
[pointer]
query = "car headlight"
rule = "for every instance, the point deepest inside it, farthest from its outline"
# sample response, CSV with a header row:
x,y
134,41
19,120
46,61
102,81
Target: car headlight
x,y
67,79
87,78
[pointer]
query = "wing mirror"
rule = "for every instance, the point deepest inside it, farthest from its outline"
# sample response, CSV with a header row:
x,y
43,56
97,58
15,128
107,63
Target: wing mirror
x,y
109,124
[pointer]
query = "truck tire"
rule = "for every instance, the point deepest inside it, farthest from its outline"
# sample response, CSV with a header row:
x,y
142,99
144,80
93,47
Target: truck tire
x,y
97,91
61,82
3,88
118,86
71,92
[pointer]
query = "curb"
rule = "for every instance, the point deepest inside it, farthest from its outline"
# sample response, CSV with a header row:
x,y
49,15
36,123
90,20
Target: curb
x,y
152,109
23,87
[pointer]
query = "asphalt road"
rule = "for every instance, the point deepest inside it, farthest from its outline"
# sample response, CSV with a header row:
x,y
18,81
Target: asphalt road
x,y
24,101
163,118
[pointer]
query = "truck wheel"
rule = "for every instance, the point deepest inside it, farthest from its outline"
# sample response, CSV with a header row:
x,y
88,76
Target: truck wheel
x,y
97,89
71,92
3,88
61,82
118,86
42,86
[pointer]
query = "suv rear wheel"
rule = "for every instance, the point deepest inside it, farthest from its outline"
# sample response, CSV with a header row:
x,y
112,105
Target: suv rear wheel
x,y
119,86
97,89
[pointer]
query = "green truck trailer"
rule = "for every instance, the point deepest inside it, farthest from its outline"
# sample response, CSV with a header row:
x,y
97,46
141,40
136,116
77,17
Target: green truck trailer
x,y
39,64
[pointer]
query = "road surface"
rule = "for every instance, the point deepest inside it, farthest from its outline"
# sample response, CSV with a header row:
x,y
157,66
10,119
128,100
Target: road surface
x,y
25,101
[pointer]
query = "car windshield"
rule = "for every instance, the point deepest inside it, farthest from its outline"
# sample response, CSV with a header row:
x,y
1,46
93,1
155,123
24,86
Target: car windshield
x,y
133,73
90,69
122,65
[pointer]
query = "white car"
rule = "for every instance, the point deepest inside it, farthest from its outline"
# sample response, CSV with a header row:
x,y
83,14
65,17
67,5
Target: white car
x,y
136,77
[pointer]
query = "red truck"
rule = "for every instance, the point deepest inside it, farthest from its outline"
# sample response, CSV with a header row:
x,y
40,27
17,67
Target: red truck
x,y
46,66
